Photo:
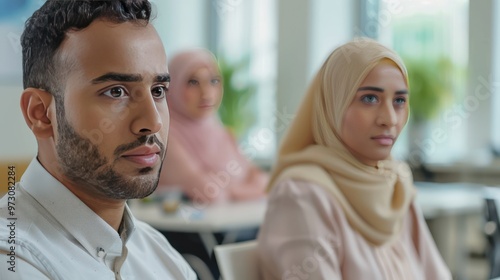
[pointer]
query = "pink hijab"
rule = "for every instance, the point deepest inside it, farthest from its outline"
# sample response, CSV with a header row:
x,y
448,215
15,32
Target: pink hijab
x,y
206,139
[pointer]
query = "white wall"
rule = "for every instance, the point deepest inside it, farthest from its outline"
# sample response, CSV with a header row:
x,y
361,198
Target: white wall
x,y
478,103
332,24
16,140
308,32
182,24
496,73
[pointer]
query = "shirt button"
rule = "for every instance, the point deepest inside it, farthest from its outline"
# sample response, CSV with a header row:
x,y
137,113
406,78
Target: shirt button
x,y
100,252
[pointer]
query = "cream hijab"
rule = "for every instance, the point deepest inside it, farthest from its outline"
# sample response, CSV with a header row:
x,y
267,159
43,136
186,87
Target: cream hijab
x,y
374,199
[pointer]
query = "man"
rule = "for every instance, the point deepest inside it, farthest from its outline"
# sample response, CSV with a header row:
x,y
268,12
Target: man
x,y
95,78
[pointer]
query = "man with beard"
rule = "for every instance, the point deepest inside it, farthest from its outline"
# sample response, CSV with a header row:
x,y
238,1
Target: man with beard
x,y
95,78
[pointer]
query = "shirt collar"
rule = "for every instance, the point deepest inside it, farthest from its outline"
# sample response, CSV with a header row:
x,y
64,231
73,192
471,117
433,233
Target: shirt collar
x,y
83,224
128,224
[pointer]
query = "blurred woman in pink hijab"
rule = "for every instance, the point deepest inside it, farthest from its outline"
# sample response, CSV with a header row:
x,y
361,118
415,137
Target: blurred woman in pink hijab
x,y
203,158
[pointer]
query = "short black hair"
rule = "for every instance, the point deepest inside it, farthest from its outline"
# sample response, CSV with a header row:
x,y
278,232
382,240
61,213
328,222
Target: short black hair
x,y
46,29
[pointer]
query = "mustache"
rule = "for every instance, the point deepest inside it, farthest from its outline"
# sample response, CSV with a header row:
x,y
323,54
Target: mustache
x,y
143,140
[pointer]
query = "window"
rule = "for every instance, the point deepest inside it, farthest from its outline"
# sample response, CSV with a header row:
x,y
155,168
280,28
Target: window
x,y
432,35
247,29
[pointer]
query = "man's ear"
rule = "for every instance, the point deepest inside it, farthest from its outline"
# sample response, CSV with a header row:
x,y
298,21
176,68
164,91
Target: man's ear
x,y
35,105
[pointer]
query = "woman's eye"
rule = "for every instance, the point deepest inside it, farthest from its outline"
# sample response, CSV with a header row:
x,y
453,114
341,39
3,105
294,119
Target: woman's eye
x,y
115,92
400,101
159,92
215,81
370,99
192,82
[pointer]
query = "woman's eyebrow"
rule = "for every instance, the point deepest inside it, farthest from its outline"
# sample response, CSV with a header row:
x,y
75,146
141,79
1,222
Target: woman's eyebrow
x,y
371,88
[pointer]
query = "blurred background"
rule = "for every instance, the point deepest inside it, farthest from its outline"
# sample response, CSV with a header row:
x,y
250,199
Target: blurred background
x,y
270,49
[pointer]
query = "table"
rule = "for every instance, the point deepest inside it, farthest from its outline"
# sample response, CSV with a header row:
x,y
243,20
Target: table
x,y
449,199
213,218
229,217
456,201
436,200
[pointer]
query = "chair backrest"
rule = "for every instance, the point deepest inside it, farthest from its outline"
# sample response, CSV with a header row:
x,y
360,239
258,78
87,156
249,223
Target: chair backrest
x,y
492,228
238,261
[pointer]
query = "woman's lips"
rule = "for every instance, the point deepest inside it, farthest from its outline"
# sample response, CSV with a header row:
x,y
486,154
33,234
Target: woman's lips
x,y
205,106
384,140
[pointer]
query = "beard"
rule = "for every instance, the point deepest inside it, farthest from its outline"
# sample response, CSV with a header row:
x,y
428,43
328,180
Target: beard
x,y
83,164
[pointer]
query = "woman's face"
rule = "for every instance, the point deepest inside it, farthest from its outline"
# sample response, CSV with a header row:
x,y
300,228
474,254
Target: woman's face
x,y
203,93
377,114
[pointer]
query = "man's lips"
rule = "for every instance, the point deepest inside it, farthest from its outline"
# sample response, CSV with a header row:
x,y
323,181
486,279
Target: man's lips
x,y
145,155
384,140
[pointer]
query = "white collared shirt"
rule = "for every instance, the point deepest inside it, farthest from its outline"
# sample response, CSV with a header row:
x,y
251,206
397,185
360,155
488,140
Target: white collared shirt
x,y
49,233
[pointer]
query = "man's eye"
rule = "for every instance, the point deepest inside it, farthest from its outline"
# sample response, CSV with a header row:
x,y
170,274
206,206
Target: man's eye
x,y
159,91
115,92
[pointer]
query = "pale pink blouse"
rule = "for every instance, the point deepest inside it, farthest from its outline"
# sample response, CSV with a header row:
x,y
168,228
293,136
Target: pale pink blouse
x,y
305,235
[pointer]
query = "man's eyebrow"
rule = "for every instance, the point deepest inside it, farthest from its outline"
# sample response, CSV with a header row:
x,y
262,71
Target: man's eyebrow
x,y
371,88
162,78
117,77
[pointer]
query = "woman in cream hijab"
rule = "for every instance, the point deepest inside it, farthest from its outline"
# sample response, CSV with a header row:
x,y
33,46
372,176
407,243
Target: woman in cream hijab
x,y
339,206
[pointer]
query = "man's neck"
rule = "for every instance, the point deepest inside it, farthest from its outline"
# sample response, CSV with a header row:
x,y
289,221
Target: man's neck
x,y
110,211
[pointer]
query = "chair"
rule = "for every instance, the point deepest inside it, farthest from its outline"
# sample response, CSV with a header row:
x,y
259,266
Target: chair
x,y
492,228
238,261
